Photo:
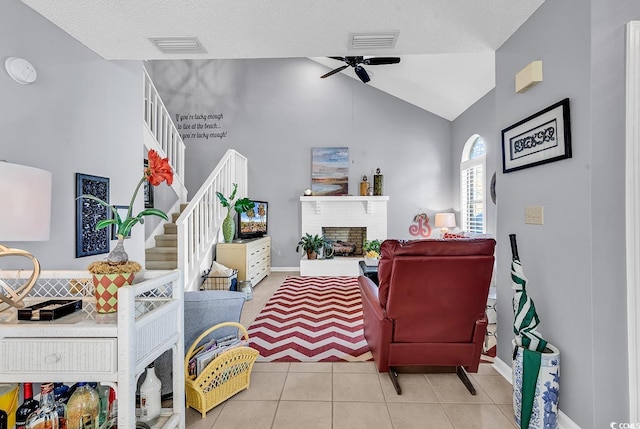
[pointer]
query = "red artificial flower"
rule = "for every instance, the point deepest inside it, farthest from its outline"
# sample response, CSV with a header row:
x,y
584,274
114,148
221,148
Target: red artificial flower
x,y
159,169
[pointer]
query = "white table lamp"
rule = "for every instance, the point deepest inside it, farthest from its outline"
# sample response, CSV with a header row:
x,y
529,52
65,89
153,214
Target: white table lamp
x,y
444,221
25,215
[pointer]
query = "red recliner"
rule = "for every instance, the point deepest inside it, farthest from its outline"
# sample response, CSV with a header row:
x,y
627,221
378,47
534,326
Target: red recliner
x,y
429,308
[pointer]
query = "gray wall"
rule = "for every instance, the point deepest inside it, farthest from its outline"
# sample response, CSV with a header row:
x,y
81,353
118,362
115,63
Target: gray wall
x,y
83,114
276,110
575,262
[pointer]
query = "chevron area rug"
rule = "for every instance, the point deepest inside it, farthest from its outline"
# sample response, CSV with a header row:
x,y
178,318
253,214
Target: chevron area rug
x,y
311,319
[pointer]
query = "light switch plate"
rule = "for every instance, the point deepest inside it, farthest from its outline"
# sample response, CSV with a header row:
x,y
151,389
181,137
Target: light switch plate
x,y
533,215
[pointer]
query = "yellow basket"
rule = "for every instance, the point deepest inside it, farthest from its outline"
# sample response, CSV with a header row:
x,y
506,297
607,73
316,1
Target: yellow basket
x,y
223,377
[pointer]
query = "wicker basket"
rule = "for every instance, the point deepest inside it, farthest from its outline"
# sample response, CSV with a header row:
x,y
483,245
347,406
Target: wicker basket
x,y
223,377
220,282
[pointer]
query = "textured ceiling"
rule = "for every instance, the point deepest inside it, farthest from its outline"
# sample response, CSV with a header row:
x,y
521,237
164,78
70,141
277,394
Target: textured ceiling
x,y
448,44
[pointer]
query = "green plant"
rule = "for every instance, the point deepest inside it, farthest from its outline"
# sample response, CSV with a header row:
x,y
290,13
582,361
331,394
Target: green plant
x,y
311,243
240,206
371,245
155,173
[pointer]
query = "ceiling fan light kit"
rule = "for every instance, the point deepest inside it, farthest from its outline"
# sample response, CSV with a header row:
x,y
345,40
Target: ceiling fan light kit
x,y
356,62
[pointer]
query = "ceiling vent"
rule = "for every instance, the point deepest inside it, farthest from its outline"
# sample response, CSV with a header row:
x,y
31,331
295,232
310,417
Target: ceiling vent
x,y
178,45
373,40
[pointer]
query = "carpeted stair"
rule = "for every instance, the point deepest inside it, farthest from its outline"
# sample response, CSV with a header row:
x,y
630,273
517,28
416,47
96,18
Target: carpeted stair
x,y
164,256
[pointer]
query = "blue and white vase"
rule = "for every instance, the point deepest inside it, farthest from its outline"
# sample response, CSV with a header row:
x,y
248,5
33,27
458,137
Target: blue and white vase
x,y
544,414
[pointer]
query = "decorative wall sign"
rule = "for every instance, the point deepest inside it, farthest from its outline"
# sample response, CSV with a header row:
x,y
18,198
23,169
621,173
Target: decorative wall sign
x,y
148,190
122,211
420,227
330,170
89,213
541,138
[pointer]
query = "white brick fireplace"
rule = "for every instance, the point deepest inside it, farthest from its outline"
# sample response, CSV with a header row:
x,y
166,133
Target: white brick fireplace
x,y
343,212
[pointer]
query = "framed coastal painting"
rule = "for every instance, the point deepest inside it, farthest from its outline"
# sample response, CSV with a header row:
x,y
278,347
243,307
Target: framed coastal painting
x,y
329,171
89,213
541,138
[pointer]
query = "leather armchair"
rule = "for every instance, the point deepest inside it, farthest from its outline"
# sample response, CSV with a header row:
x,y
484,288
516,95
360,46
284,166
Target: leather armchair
x,y
429,307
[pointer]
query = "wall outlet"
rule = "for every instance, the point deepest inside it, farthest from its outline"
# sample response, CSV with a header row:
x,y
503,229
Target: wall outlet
x,y
533,215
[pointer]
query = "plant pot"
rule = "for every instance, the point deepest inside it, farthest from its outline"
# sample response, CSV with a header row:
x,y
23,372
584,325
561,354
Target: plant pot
x,y
312,254
228,228
544,410
105,289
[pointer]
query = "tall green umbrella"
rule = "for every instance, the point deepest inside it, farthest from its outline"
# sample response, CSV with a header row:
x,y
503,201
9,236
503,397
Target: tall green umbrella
x,y
525,323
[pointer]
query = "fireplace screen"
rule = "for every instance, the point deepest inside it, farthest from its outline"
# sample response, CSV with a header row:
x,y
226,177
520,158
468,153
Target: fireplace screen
x,y
347,241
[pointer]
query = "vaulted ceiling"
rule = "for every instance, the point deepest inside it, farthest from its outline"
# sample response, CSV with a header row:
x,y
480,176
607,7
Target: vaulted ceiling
x,y
446,46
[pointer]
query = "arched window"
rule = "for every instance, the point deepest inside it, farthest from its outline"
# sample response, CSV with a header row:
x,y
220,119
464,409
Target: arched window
x,y
472,185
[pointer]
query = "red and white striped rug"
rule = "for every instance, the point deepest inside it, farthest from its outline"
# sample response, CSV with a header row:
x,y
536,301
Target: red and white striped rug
x,y
311,319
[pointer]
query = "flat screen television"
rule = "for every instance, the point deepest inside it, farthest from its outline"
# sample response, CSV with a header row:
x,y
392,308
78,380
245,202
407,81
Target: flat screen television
x,y
254,222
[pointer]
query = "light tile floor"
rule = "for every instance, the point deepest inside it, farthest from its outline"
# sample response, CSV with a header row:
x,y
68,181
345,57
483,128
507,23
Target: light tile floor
x,y
346,395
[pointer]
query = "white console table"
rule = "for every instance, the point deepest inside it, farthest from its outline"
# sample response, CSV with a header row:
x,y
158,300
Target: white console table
x,y
113,349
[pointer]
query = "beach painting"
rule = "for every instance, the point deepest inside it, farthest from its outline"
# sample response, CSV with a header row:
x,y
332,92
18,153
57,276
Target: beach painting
x,y
330,170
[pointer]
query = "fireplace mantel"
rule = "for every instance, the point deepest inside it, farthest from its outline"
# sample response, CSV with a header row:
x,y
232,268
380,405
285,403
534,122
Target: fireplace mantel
x,y
320,202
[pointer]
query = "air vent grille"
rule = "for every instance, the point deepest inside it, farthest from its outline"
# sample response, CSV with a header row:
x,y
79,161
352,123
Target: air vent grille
x,y
373,40
178,45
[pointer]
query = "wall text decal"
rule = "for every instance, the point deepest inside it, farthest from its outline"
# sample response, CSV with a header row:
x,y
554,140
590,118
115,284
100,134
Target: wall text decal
x,y
200,126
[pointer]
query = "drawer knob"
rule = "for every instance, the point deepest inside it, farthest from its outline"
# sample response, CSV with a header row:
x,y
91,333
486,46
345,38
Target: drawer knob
x,y
52,358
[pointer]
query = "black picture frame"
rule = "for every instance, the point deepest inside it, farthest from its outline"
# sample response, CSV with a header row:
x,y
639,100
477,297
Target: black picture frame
x,y
148,190
89,213
122,211
539,139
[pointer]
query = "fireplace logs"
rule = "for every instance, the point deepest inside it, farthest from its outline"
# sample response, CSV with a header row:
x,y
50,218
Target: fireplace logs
x,y
344,248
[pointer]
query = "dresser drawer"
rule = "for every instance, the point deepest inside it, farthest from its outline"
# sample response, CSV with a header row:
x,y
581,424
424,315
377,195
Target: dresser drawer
x,y
52,355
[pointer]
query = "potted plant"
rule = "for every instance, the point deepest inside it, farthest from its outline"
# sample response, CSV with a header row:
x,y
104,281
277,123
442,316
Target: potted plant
x,y
371,250
311,244
117,270
240,206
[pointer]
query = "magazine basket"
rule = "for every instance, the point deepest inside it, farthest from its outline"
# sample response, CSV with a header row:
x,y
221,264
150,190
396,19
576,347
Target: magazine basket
x,y
223,377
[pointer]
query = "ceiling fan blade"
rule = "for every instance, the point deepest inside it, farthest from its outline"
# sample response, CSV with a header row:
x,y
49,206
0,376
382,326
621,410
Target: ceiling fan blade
x,y
334,71
362,74
381,60
338,58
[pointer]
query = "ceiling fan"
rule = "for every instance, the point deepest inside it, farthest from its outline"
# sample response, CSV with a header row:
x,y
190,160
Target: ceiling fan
x,y
356,62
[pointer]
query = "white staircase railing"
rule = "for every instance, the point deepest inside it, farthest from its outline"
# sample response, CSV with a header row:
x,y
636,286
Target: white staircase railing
x,y
199,223
163,135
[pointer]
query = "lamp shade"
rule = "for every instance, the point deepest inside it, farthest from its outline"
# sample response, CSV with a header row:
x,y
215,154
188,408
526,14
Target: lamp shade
x,y
445,220
25,203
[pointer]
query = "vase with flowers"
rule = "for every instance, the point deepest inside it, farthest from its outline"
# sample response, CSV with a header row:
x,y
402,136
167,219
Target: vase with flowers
x,y
117,270
240,206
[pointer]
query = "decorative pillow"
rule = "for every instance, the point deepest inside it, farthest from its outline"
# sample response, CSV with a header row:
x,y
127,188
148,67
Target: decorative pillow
x,y
449,235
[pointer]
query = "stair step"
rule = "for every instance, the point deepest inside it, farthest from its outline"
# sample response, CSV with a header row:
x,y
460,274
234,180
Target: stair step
x,y
166,240
161,254
161,265
183,206
170,228
174,217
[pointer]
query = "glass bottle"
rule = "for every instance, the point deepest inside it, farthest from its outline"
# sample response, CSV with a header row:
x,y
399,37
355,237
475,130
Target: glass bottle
x,y
29,405
83,408
46,416
150,406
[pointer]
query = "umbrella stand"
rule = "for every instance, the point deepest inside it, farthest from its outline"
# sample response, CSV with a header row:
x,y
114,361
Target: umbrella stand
x,y
535,362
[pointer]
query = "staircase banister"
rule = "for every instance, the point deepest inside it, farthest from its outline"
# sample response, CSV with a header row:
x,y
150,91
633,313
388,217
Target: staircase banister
x,y
199,223
229,154
175,146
